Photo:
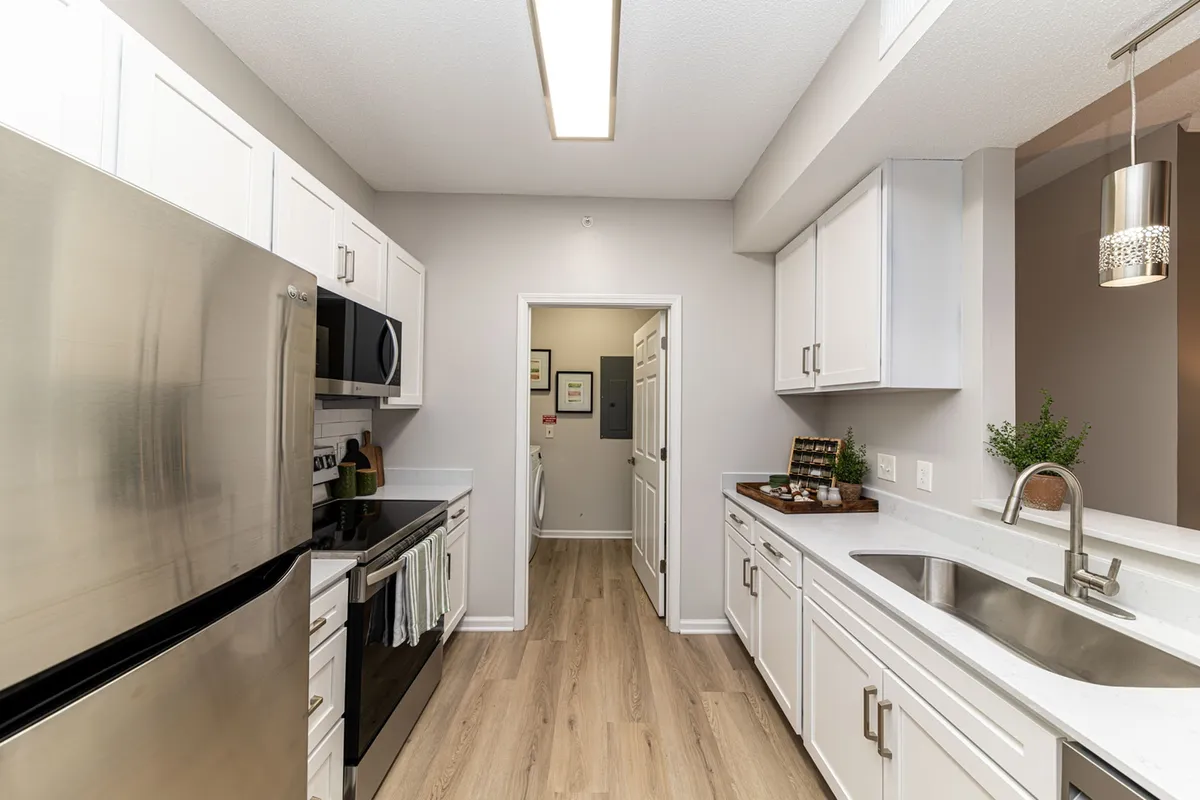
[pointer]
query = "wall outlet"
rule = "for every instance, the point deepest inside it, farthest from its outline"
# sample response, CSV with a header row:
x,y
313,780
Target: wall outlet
x,y
925,476
886,469
549,431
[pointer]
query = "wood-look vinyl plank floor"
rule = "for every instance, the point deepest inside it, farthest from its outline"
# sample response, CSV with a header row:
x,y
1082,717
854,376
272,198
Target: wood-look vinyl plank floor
x,y
595,700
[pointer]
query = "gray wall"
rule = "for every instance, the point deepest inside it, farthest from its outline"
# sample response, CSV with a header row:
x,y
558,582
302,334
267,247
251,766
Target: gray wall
x,y
947,428
1187,286
589,484
482,251
174,30
1108,356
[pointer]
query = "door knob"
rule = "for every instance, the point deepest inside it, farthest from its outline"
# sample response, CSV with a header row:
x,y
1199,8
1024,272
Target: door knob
x,y
631,460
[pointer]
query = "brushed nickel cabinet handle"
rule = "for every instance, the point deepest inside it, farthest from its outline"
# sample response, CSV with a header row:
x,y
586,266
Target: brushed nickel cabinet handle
x,y
816,358
449,565
772,549
868,693
317,624
458,513
314,703
884,705
350,270
753,572
745,563
341,262
804,360
734,517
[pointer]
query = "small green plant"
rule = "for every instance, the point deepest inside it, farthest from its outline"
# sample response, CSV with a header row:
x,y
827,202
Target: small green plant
x,y
1029,443
851,465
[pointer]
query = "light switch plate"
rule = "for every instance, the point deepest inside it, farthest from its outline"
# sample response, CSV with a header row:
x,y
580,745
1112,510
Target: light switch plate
x,y
925,476
886,468
549,431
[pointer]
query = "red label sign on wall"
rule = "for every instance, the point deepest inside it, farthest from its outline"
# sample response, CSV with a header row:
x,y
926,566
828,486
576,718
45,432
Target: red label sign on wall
x,y
549,419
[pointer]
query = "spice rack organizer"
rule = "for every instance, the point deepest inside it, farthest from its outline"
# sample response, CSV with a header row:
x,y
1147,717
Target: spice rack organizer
x,y
812,460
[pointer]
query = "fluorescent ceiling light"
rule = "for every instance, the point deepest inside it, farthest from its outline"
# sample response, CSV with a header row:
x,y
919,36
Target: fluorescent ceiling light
x,y
576,44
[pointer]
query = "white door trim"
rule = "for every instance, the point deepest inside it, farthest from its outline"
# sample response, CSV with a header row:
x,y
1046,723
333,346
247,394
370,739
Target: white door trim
x,y
674,305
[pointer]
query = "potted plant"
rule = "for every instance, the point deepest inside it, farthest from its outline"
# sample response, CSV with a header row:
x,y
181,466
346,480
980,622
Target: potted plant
x,y
850,468
1045,439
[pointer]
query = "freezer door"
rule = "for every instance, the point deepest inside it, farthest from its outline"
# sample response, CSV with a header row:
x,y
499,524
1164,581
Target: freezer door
x,y
221,714
157,406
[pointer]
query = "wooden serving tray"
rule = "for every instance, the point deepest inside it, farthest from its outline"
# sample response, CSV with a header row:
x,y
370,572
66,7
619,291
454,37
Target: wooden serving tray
x,y
751,490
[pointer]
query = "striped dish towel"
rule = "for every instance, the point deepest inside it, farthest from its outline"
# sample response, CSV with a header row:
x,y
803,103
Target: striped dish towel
x,y
423,593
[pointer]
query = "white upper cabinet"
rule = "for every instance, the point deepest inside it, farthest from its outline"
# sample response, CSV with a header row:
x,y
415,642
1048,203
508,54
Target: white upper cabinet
x,y
177,140
57,81
886,306
795,313
307,221
366,260
849,287
406,302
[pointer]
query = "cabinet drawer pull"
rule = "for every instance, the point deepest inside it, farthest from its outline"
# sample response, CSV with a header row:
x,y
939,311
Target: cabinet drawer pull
x,y
449,565
745,563
458,513
868,693
884,705
753,572
314,703
317,624
772,549
734,517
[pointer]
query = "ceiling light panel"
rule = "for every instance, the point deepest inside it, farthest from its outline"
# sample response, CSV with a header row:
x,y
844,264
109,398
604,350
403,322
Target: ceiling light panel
x,y
576,44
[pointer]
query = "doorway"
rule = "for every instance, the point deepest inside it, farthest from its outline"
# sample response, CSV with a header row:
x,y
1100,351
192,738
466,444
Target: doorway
x,y
654,476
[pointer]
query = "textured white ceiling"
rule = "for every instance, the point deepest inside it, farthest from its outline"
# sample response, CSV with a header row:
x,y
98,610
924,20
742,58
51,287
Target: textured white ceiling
x,y
444,95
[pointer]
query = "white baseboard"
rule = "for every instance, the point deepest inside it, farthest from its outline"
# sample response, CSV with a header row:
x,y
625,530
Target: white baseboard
x,y
705,626
587,535
489,624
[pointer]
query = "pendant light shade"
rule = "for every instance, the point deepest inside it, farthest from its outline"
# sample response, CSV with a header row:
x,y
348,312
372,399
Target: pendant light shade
x,y
1135,225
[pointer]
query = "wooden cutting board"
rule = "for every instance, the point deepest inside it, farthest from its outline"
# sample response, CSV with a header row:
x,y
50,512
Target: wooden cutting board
x,y
374,454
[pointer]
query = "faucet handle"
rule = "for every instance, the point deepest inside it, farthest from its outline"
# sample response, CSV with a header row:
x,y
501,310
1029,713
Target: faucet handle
x,y
1113,568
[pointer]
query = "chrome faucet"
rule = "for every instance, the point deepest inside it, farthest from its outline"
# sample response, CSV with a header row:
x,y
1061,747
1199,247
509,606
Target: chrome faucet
x,y
1078,580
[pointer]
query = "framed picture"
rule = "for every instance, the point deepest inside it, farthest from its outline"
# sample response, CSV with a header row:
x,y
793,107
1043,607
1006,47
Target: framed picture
x,y
574,390
539,370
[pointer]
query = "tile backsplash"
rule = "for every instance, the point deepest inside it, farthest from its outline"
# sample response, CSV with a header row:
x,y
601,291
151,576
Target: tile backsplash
x,y
333,426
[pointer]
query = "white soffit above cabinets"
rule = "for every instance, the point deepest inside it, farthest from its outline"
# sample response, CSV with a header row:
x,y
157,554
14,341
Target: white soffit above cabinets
x,y
445,95
962,76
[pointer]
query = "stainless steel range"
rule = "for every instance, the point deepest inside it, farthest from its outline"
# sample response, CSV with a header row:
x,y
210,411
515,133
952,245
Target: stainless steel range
x,y
387,686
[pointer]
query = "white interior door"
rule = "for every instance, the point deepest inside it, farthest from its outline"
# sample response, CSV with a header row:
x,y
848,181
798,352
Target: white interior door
x,y
649,464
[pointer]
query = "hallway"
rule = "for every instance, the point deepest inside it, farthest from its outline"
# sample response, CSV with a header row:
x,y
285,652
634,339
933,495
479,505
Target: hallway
x,y
595,699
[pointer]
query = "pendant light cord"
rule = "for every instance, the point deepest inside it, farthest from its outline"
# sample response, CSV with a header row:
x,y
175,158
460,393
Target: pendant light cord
x,y
1133,106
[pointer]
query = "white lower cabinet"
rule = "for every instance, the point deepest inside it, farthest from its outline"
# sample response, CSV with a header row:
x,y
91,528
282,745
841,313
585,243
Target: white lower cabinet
x,y
778,657
739,604
457,553
325,766
842,681
932,758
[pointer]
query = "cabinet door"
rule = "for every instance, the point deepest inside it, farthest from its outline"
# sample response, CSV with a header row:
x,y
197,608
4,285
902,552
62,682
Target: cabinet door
x,y
931,758
325,766
177,140
307,222
739,605
406,302
456,572
56,77
842,682
795,312
366,261
779,642
850,287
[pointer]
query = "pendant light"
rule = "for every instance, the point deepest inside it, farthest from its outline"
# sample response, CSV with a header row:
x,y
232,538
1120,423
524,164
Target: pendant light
x,y
1135,213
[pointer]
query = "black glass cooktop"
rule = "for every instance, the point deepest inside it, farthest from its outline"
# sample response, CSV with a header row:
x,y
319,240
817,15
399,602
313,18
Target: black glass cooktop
x,y
366,528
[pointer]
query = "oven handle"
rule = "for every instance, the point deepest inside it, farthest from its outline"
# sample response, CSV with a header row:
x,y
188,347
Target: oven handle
x,y
385,573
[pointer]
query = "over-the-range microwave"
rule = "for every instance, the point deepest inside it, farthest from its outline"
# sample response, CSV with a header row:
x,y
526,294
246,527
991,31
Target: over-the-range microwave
x,y
358,349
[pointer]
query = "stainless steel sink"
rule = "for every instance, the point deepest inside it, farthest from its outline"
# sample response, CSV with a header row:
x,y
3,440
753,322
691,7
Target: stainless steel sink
x,y
1040,631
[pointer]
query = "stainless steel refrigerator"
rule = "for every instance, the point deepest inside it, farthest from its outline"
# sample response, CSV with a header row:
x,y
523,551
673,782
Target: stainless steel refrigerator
x,y
156,403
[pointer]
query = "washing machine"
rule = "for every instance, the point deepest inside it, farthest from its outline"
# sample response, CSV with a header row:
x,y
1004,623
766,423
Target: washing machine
x,y
537,497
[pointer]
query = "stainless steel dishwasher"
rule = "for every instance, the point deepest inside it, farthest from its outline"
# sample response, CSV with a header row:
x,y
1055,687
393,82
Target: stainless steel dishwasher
x,y
1086,777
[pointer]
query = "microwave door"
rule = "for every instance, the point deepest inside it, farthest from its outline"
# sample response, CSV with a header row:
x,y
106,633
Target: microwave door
x,y
376,350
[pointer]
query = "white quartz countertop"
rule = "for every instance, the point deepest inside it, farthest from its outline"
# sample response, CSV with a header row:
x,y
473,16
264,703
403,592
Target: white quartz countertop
x,y
407,491
328,571
1150,735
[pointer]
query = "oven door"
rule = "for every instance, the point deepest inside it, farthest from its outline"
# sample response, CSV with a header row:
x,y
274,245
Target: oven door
x,y
377,674
377,352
